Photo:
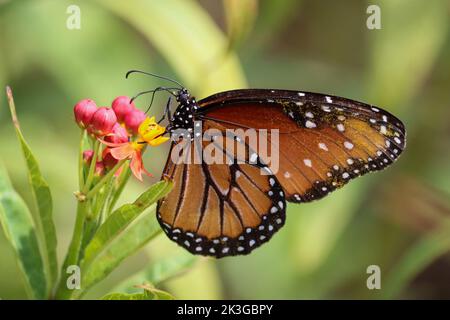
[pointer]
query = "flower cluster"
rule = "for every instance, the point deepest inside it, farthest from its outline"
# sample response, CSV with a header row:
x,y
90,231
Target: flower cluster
x,y
122,129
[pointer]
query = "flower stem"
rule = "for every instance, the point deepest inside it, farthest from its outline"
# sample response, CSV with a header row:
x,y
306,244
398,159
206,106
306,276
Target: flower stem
x,y
80,161
105,179
90,176
123,179
74,251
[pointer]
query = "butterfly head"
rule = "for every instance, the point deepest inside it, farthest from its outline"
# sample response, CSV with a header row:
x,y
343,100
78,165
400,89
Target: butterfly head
x,y
183,96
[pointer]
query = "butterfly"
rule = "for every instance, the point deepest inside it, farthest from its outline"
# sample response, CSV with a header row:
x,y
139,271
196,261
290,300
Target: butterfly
x,y
231,208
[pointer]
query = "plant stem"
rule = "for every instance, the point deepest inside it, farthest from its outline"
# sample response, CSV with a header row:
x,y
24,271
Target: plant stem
x,y
80,162
90,176
110,190
123,179
74,250
105,179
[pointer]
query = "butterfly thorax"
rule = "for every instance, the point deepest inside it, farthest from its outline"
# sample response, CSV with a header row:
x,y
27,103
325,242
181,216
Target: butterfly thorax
x,y
183,118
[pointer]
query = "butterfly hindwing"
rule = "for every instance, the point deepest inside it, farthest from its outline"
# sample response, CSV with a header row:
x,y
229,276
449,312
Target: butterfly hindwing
x,y
220,209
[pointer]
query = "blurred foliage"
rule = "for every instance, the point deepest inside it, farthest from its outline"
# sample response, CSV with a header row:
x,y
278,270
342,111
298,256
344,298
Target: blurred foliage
x,y
396,219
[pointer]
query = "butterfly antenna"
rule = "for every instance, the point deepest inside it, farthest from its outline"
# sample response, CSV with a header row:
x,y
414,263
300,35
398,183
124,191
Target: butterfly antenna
x,y
151,101
154,75
154,91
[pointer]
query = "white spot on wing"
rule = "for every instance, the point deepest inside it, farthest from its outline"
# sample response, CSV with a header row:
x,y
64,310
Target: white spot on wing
x,y
307,162
348,145
323,146
310,124
326,108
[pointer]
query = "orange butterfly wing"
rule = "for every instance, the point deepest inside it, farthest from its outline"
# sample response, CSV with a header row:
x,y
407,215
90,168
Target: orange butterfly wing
x,y
324,141
219,209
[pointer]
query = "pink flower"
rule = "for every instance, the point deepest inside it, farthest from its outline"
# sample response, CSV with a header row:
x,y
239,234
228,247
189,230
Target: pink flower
x,y
108,160
129,150
99,169
102,122
148,133
83,111
134,119
122,107
118,134
87,156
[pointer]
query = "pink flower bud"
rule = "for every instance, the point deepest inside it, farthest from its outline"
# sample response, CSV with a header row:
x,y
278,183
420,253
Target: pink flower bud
x,y
108,160
134,119
99,169
84,110
87,156
118,135
122,107
102,122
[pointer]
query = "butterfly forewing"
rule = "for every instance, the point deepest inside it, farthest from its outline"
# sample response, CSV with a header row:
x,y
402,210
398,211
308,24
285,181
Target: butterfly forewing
x,y
324,141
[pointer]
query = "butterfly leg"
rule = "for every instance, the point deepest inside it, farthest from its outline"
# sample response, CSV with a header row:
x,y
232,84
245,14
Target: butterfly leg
x,y
153,97
166,112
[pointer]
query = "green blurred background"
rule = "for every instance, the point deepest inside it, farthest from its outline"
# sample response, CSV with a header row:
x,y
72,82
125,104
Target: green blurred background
x,y
397,219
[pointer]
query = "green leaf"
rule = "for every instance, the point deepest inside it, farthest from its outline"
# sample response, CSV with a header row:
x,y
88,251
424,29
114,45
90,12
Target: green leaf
x,y
125,231
149,293
188,38
159,271
122,217
240,17
43,201
19,229
415,260
125,296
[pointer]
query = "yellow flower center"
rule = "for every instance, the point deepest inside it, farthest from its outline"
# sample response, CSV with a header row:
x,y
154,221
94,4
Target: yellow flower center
x,y
151,132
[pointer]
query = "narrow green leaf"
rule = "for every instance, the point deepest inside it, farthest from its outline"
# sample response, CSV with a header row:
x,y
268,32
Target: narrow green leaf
x,y
149,293
202,59
43,201
415,260
122,217
240,17
18,226
133,238
159,271
125,296
125,231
